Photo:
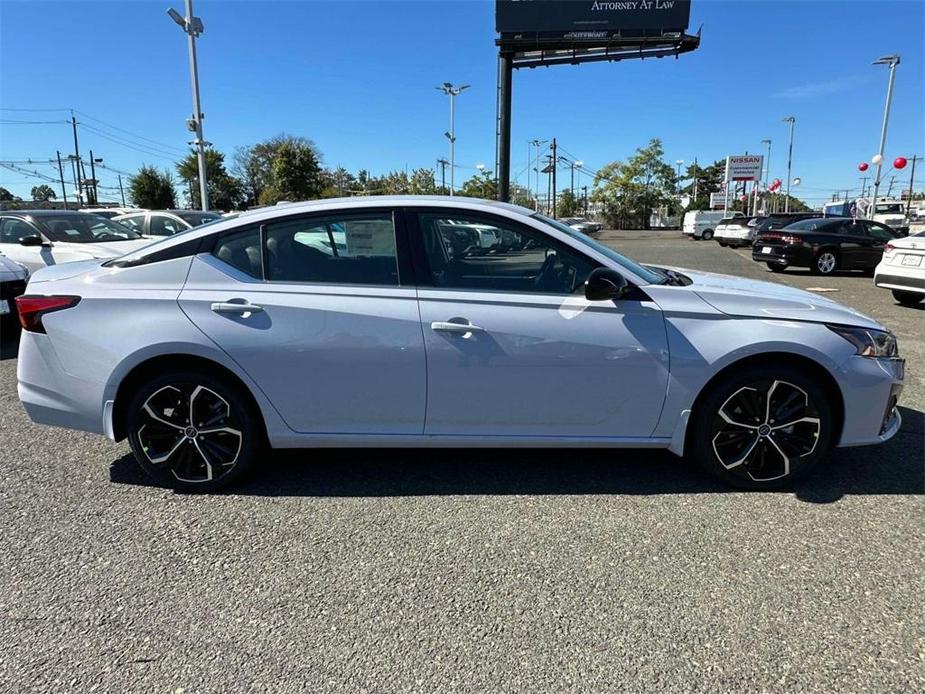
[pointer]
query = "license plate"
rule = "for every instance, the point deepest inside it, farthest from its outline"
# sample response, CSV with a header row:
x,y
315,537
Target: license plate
x,y
766,249
913,260
4,307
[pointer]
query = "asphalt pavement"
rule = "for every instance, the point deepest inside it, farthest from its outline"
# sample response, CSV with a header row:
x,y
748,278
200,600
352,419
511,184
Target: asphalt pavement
x,y
502,571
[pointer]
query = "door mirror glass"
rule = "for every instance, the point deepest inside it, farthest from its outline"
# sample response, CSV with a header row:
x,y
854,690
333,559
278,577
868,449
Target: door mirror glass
x,y
605,284
31,240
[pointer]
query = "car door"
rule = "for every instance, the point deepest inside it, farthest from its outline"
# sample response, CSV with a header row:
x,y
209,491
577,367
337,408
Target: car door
x,y
853,243
12,230
880,235
514,348
329,331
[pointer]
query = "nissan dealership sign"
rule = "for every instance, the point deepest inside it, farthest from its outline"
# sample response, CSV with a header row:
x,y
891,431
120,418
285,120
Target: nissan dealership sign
x,y
746,167
578,16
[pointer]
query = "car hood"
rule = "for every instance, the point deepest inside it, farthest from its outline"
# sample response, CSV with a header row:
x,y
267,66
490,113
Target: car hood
x,y
10,271
737,296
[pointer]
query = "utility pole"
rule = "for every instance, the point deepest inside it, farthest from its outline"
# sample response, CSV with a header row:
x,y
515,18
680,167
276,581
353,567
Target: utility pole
x,y
791,120
584,197
891,61
71,158
442,163
696,176
553,161
889,190
96,196
77,179
863,185
911,183
64,190
536,144
192,27
452,92
121,191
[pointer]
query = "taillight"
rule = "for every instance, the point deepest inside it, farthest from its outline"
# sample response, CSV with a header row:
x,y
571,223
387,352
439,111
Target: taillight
x,y
788,239
31,308
791,240
889,248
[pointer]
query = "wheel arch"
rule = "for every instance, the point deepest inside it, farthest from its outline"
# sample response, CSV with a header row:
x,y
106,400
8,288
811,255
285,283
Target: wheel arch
x,y
144,370
804,363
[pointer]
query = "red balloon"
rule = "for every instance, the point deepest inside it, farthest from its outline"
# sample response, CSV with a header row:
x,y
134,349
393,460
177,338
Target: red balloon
x,y
899,163
744,198
862,166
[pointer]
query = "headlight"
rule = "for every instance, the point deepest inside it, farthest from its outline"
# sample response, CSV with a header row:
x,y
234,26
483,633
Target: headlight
x,y
880,344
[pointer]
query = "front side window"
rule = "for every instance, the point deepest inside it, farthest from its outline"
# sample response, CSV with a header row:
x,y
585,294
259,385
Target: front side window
x,y
470,253
85,228
12,230
880,231
162,225
335,249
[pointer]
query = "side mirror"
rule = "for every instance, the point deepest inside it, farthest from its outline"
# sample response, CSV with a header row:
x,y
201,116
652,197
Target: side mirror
x,y
604,284
31,240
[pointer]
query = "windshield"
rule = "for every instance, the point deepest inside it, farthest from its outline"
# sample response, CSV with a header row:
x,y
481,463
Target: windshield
x,y
891,208
643,273
197,218
84,228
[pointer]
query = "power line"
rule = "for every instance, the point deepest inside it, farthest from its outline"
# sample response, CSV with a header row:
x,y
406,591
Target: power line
x,y
150,152
160,145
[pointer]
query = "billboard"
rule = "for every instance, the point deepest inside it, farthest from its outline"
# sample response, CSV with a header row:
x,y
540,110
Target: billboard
x,y
746,167
589,19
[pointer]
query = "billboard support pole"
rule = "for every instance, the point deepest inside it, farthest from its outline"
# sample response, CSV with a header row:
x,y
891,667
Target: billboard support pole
x,y
505,77
726,191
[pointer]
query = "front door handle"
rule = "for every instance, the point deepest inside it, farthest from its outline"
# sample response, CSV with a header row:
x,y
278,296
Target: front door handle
x,y
456,327
241,308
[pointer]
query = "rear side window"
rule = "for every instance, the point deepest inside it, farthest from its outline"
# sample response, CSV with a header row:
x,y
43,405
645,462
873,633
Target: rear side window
x,y
241,250
136,222
162,225
336,249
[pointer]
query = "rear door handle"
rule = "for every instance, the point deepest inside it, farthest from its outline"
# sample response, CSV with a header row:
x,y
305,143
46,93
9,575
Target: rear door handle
x,y
239,307
453,327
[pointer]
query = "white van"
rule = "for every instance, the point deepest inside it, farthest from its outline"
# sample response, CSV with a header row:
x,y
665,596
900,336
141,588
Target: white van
x,y
700,224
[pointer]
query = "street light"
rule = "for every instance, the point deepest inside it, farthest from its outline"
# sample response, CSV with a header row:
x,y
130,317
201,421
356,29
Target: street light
x,y
891,61
192,27
679,162
536,144
576,165
791,120
452,92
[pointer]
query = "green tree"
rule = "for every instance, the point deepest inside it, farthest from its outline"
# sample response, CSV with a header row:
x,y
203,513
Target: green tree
x,y
567,204
481,185
522,196
264,184
422,182
709,180
225,191
5,195
43,193
152,189
629,192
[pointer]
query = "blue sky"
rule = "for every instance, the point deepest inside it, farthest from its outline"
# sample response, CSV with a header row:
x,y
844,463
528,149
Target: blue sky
x,y
358,78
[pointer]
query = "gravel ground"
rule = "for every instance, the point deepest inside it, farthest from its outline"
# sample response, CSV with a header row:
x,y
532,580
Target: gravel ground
x,y
468,570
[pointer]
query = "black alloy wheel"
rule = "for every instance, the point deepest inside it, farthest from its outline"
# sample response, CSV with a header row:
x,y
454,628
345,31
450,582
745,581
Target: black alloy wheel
x,y
192,432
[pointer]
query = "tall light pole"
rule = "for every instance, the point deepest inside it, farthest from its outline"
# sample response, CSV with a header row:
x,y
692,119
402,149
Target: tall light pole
x,y
891,61
452,92
791,120
537,144
679,162
192,27
767,164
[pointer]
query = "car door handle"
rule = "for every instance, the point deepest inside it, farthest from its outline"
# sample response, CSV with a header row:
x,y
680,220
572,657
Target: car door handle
x,y
239,308
451,327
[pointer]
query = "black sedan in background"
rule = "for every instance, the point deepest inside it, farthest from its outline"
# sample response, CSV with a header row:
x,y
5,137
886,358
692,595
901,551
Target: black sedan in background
x,y
825,245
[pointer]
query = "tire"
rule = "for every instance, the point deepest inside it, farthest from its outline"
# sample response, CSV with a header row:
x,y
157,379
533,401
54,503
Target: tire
x,y
754,452
707,234
907,298
776,267
825,262
177,455
723,244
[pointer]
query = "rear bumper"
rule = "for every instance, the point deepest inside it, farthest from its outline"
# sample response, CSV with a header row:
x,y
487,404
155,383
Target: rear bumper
x,y
897,277
43,383
782,255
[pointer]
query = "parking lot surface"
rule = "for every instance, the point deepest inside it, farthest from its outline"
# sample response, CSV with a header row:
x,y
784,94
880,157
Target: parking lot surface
x,y
476,570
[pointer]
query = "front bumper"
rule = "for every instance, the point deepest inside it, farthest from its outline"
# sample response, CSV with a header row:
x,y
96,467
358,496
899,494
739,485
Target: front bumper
x,y
871,389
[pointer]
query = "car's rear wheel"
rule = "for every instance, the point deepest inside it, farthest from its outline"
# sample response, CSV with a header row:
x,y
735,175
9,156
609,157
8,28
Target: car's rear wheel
x,y
193,432
776,267
825,262
722,244
762,427
908,298
707,234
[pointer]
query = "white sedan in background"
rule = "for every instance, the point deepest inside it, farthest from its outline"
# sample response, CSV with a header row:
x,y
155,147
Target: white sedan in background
x,y
902,269
38,238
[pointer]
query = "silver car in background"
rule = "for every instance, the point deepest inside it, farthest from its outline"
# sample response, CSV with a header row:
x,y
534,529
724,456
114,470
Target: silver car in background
x,y
270,330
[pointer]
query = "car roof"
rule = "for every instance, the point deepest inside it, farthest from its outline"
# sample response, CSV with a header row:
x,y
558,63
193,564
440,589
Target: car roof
x,y
41,213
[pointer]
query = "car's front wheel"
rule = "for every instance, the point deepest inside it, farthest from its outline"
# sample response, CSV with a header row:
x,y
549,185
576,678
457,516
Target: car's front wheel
x,y
908,298
762,427
193,432
776,267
